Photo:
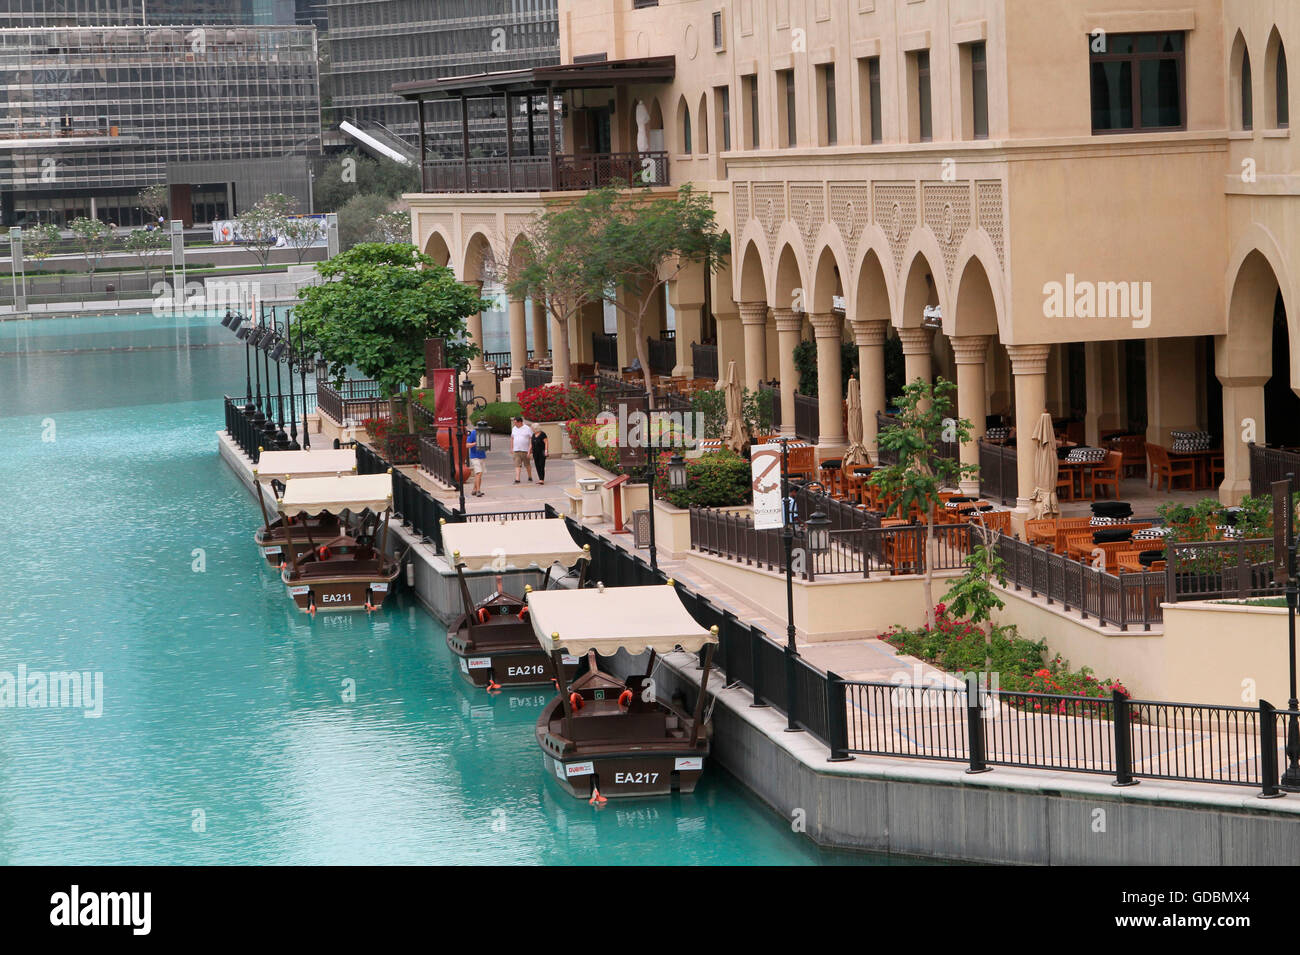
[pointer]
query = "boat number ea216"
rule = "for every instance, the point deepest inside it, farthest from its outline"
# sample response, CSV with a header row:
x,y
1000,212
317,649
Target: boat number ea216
x,y
535,669
635,778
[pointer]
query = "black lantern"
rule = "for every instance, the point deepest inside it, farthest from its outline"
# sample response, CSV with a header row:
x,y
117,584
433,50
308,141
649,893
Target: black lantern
x,y
483,436
819,533
677,472
466,390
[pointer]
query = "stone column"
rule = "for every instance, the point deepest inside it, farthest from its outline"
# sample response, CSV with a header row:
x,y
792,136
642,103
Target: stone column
x,y
690,324
918,346
789,325
518,349
1172,385
970,352
485,382
541,326
1243,422
827,331
870,339
753,320
1029,366
559,352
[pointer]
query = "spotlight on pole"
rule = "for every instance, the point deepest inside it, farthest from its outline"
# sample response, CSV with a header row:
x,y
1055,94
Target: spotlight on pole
x,y
230,317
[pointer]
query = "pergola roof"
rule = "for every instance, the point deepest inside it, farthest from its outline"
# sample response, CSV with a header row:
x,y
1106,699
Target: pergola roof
x,y
566,76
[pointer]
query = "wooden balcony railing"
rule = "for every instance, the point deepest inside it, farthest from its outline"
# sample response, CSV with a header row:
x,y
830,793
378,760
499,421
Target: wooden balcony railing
x,y
571,172
705,360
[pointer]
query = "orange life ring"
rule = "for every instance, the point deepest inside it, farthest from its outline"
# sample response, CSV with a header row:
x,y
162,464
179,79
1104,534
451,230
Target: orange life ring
x,y
483,615
523,613
323,552
625,698
575,701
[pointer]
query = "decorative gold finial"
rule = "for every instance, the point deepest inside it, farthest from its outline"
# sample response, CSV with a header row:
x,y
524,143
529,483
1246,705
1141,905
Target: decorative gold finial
x,y
528,588
714,629
670,582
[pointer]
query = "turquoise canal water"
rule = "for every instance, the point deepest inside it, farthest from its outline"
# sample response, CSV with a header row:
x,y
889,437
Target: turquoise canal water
x,y
128,552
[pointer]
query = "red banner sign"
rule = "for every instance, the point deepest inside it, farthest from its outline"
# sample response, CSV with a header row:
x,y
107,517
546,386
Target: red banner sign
x,y
444,397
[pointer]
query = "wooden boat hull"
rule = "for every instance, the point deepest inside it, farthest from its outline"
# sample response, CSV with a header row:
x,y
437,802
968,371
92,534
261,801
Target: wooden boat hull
x,y
343,593
506,653
634,769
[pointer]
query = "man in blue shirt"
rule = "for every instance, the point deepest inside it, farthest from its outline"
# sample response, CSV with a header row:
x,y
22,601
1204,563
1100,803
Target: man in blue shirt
x,y
477,461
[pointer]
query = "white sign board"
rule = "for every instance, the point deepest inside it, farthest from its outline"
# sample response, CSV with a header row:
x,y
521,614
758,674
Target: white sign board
x,y
765,470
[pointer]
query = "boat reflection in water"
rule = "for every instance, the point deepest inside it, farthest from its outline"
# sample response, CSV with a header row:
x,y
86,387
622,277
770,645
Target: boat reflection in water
x,y
351,571
493,639
605,736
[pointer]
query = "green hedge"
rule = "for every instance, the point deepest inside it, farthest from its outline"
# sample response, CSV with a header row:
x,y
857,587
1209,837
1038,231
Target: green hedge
x,y
498,415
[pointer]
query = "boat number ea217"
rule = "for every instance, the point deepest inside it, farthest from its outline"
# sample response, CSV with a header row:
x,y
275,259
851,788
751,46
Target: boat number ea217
x,y
535,669
635,778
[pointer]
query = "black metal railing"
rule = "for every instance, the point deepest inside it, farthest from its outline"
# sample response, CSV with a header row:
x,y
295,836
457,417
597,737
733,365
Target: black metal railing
x,y
1120,600
610,390
704,359
982,727
604,350
502,363
1221,570
351,401
857,551
807,419
242,429
439,461
570,172
998,475
1270,464
536,377
663,355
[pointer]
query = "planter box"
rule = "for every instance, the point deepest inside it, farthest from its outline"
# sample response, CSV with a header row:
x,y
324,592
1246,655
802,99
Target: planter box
x,y
557,435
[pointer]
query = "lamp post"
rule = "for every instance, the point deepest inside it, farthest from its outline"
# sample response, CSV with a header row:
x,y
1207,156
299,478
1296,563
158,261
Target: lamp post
x,y
467,400
816,541
1284,540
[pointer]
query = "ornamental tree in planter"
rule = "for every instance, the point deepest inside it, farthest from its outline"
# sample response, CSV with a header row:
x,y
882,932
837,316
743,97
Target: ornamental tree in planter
x,y
379,303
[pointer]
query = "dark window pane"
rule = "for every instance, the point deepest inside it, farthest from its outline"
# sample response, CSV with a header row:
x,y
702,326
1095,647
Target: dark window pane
x,y
1112,95
873,73
1283,92
1111,43
1162,104
1247,95
923,95
979,92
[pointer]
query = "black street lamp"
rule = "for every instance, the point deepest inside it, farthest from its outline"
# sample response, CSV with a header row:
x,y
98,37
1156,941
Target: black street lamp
x,y
1290,781
650,490
677,472
468,400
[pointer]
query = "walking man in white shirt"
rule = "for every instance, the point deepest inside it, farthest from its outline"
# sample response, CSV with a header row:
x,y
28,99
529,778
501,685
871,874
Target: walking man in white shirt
x,y
521,444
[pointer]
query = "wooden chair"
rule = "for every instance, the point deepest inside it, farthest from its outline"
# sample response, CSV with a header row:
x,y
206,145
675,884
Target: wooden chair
x,y
998,521
1106,475
1132,447
1216,469
1163,469
1065,484
1040,531
831,474
1078,543
1065,526
803,462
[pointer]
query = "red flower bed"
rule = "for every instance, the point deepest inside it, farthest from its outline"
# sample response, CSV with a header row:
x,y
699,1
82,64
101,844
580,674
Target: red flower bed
x,y
558,402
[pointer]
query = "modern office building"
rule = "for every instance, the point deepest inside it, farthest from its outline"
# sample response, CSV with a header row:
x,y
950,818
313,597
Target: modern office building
x,y
90,115
1071,205
374,44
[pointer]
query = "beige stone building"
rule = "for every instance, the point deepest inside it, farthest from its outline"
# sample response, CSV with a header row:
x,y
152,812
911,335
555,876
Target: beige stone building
x,y
1071,205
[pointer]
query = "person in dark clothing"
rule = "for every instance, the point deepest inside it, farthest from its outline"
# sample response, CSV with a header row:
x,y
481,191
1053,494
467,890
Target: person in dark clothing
x,y
541,451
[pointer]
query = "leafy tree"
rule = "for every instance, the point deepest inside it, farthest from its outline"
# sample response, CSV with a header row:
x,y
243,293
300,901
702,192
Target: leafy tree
x,y
155,200
358,217
646,243
146,245
921,472
554,266
356,174
301,232
392,226
261,226
377,305
93,239
40,241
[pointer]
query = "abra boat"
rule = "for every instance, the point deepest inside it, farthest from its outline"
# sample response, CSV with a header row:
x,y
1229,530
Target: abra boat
x,y
348,572
272,473
608,736
493,639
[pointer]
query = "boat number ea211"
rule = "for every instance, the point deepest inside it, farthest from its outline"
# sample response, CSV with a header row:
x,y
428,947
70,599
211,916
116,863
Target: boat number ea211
x,y
635,778
334,598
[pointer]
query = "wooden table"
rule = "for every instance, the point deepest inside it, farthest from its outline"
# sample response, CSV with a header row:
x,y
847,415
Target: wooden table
x,y
1201,460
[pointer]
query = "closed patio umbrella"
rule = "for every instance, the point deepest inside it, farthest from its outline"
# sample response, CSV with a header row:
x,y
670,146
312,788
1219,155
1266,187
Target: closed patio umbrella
x,y
1045,468
856,453
735,433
